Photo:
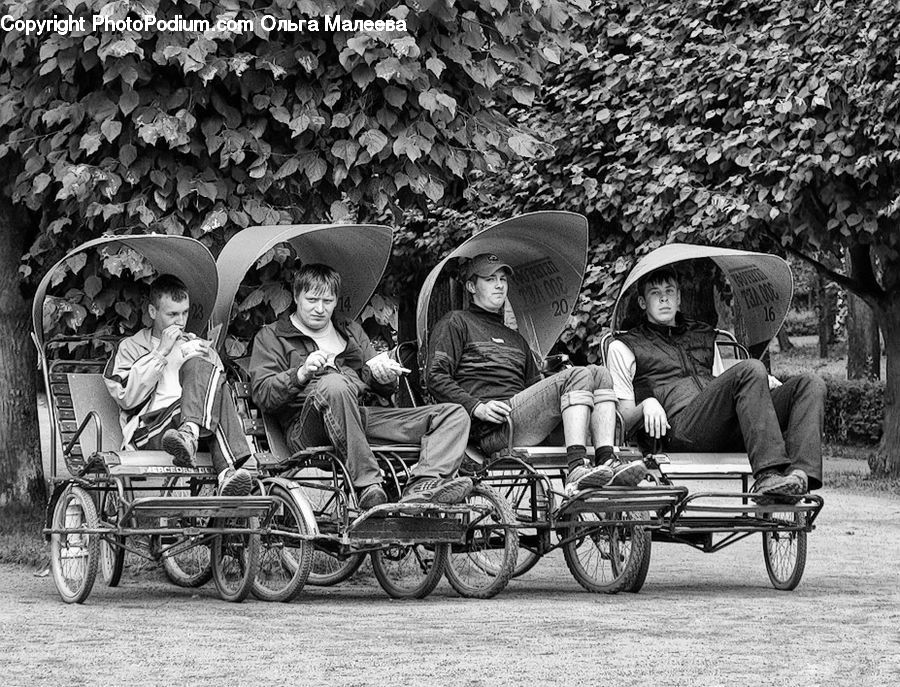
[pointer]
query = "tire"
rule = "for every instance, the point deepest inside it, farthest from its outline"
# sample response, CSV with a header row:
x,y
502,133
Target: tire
x,y
606,558
482,567
235,559
189,562
74,557
329,565
284,562
112,547
785,552
519,496
409,572
643,568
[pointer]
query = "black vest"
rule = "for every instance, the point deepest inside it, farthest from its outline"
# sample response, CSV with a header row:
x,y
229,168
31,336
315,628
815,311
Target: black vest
x,y
672,364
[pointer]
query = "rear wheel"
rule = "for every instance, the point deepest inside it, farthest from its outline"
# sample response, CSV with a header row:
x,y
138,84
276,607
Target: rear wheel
x,y
74,555
187,561
785,552
482,566
604,557
235,558
285,561
529,505
409,572
112,547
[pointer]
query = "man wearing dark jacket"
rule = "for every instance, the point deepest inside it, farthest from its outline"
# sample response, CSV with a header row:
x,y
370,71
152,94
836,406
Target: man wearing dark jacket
x,y
662,373
310,369
475,360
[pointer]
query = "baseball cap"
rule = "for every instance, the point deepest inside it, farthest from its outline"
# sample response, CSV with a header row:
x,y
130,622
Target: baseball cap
x,y
484,265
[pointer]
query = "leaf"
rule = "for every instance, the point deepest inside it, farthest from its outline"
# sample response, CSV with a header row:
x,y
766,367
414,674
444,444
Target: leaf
x,y
374,141
90,142
41,181
435,66
92,286
524,95
128,101
315,169
290,166
111,129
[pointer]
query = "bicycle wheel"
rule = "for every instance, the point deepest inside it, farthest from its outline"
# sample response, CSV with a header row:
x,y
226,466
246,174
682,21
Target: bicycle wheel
x,y
409,572
519,495
785,552
235,558
482,566
112,547
284,562
605,557
187,561
74,555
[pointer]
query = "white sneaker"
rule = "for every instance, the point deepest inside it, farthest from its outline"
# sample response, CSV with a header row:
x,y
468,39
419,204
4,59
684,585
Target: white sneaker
x,y
235,482
584,477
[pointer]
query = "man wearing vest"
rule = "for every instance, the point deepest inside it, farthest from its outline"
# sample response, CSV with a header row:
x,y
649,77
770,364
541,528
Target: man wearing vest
x,y
489,369
662,374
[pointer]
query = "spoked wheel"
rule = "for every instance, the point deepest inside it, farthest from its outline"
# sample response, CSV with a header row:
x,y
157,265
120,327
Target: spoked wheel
x,y
329,565
235,558
112,547
785,552
606,558
409,572
482,566
284,561
187,561
525,503
74,555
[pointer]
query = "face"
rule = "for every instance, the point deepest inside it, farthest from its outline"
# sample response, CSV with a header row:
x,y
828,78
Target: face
x,y
489,292
661,302
168,312
315,308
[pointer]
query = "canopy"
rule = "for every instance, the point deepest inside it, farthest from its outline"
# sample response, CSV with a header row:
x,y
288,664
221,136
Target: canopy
x,y
548,253
359,252
762,284
186,258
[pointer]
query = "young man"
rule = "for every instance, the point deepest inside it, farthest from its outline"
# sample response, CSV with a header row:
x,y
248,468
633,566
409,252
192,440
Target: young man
x,y
169,386
310,369
488,368
662,372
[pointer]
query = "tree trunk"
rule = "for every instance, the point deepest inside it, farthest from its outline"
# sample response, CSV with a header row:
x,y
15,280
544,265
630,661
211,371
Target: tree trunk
x,y
885,462
823,306
21,470
863,344
784,341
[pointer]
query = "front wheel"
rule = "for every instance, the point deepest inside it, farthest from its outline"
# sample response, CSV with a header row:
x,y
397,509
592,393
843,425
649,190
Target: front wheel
x,y
74,555
482,566
785,551
409,571
606,558
112,547
285,561
235,558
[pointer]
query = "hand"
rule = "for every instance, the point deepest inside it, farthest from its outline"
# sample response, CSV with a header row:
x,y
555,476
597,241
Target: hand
x,y
384,370
168,339
655,421
315,364
492,411
195,347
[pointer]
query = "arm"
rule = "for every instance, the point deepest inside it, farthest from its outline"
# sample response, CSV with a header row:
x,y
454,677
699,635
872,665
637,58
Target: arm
x,y
444,352
385,388
273,381
622,366
132,373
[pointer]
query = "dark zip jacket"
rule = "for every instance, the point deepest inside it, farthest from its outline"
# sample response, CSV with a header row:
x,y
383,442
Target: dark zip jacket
x,y
280,349
672,364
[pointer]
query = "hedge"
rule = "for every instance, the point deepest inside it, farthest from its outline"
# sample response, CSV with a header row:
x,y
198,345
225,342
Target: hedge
x,y
854,411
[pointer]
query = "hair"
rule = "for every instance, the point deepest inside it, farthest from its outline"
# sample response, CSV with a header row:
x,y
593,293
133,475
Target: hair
x,y
657,277
167,285
316,277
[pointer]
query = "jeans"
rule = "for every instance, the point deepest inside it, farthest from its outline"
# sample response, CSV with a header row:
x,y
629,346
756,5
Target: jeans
x,y
331,414
205,402
537,410
780,428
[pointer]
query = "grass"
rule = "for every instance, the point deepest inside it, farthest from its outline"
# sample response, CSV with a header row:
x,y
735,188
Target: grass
x,y
21,541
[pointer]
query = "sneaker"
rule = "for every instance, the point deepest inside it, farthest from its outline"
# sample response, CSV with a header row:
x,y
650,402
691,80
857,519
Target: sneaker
x,y
446,490
182,445
772,486
627,474
235,482
801,478
371,496
584,477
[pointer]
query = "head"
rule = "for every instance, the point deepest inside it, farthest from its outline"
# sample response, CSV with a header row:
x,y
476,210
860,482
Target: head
x,y
659,295
316,289
487,281
169,303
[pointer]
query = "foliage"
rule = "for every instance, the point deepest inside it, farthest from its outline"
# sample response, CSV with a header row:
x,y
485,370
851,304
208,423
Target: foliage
x,y
853,411
801,323
204,132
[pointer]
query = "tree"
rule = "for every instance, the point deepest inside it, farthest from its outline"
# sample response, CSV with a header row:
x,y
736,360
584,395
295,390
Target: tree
x,y
745,123
222,117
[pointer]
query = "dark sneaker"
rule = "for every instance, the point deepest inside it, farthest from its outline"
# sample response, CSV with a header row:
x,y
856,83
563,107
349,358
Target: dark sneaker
x,y
182,445
446,490
801,478
773,487
627,474
584,477
371,496
235,482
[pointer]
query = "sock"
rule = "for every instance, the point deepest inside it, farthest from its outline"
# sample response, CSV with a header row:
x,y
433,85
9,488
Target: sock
x,y
575,455
191,427
602,454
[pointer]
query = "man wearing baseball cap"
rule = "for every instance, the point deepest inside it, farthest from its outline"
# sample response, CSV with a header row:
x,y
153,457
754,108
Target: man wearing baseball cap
x,y
488,368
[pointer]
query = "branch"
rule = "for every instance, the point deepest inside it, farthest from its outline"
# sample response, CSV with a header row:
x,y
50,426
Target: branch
x,y
871,295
